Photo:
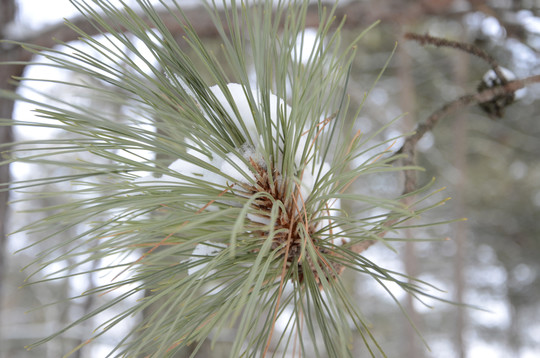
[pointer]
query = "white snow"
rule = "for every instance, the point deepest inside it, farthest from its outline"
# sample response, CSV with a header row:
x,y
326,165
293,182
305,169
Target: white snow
x,y
307,43
243,113
234,167
207,248
239,170
490,76
490,79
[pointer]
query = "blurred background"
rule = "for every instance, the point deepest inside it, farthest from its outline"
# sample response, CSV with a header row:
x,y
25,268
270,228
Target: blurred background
x,y
489,167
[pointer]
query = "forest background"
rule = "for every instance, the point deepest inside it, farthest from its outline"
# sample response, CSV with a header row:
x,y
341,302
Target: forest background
x,y
490,168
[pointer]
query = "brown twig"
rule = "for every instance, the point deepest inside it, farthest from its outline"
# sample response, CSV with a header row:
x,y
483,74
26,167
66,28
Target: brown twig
x,y
463,46
460,103
409,146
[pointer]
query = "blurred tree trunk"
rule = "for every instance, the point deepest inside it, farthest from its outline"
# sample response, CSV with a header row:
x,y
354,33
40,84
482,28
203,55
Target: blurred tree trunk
x,y
7,14
461,67
408,105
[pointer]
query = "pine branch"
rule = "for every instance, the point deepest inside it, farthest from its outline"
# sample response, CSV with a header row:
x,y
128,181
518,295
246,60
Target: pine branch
x,y
246,222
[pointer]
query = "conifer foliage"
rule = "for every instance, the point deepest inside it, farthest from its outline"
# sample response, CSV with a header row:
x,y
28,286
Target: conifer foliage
x,y
250,220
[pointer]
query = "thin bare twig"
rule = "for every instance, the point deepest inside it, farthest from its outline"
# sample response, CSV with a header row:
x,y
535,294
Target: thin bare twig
x,y
463,46
460,103
409,146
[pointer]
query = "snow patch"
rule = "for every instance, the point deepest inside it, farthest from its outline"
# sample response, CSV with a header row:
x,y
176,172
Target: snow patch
x,y
200,254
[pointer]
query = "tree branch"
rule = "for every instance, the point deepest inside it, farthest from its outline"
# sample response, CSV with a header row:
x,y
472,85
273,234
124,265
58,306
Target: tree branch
x,y
409,146
466,47
462,102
